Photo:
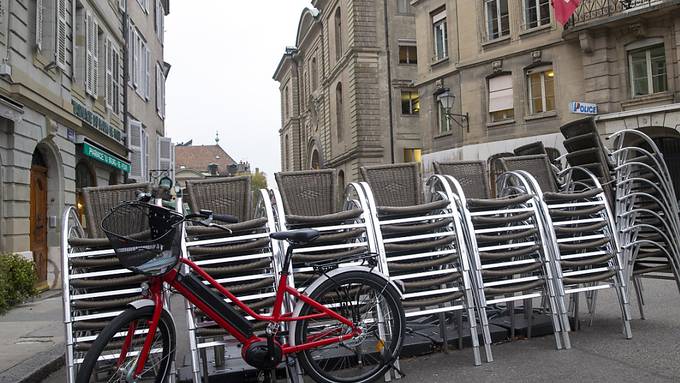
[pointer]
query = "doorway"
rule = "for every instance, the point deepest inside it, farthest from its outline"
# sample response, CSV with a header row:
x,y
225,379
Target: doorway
x,y
38,218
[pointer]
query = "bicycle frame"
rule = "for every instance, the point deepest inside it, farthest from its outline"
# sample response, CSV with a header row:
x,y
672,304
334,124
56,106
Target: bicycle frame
x,y
171,278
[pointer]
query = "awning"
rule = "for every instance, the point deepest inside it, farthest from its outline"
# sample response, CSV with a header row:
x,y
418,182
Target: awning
x,y
92,150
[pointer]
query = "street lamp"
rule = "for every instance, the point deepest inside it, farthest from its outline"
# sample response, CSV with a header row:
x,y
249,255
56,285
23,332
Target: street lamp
x,y
446,99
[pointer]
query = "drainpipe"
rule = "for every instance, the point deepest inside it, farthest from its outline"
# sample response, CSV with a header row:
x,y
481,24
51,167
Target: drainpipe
x,y
296,67
126,75
389,80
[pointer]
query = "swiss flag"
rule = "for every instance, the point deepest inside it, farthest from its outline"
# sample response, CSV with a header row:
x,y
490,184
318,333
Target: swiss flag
x,y
564,9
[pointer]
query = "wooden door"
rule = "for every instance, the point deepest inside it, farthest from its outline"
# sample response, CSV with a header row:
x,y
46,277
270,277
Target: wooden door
x,y
39,221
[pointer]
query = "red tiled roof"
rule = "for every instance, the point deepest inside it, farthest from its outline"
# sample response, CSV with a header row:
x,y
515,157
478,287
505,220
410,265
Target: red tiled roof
x,y
200,156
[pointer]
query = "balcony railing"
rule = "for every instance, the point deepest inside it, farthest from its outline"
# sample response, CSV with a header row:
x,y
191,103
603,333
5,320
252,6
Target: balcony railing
x,y
590,10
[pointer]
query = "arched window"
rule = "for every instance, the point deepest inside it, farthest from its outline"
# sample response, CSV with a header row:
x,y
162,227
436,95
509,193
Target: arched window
x,y
341,185
315,74
286,155
286,102
316,161
339,111
338,34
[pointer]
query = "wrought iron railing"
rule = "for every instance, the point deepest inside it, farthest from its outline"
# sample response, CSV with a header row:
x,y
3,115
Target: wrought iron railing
x,y
590,10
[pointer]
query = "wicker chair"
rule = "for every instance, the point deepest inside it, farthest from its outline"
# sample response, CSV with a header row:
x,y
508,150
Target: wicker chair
x,y
231,195
530,149
422,249
495,169
509,257
583,235
100,200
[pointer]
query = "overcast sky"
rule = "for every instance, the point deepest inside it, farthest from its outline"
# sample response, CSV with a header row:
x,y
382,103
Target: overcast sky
x,y
223,55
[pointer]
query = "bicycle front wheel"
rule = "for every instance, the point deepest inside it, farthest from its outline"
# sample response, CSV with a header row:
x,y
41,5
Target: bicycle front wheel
x,y
101,363
373,305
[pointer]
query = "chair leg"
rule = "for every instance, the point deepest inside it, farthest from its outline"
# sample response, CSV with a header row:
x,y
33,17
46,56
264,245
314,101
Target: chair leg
x,y
577,311
459,314
529,313
638,294
511,310
474,336
442,328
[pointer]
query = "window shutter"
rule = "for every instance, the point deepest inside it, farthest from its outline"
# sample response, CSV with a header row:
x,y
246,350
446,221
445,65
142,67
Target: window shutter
x,y
95,57
131,50
122,5
115,80
135,143
60,51
88,48
158,89
135,67
146,152
109,74
162,94
165,149
147,75
39,20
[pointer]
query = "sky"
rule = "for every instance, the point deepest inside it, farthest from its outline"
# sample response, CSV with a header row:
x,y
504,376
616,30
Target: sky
x,y
223,55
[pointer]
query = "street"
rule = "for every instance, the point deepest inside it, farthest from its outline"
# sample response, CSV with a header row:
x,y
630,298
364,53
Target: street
x,y
599,353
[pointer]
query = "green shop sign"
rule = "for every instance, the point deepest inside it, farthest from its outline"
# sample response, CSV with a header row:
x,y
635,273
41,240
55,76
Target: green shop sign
x,y
104,157
97,121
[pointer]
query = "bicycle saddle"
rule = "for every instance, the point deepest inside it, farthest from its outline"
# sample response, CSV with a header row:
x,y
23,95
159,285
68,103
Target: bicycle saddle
x,y
296,236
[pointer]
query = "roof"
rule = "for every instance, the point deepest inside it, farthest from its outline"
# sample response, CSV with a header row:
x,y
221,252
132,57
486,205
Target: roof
x,y
200,156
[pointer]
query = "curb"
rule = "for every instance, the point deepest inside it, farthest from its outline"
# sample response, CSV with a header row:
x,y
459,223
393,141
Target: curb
x,y
36,368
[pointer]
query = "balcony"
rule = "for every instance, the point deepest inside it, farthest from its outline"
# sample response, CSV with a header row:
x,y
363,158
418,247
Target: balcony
x,y
601,10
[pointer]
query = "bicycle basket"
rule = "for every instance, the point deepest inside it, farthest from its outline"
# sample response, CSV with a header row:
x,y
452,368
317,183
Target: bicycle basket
x,y
145,238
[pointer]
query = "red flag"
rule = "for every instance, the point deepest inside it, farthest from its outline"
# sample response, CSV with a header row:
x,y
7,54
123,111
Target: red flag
x,y
564,9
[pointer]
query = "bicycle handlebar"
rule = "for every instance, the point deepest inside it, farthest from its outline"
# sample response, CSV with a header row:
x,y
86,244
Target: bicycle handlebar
x,y
224,218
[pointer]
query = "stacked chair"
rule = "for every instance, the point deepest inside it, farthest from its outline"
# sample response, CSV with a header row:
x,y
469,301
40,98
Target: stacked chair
x,y
96,287
647,207
243,261
423,248
506,241
582,234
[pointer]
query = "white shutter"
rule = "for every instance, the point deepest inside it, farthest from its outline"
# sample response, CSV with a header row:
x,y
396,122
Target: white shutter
x,y
160,14
165,149
115,79
60,50
95,57
135,144
88,55
109,74
158,89
147,73
122,5
39,20
131,50
500,93
146,151
162,94
135,70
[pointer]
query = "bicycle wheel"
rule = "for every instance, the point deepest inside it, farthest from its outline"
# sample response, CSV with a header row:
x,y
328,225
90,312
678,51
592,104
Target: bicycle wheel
x,y
101,361
373,305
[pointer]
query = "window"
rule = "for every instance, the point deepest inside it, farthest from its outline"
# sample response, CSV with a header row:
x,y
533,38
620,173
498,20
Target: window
x,y
140,61
404,6
497,19
144,4
443,122
338,34
286,154
440,36
160,91
410,102
501,98
408,54
339,112
61,32
541,90
536,13
315,74
91,55
136,146
112,78
413,155
160,21
286,102
648,70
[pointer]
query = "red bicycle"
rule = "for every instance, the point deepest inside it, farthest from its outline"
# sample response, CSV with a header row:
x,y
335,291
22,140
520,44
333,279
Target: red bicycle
x,y
347,326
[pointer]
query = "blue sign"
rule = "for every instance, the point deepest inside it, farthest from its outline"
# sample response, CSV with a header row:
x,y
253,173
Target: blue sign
x,y
582,107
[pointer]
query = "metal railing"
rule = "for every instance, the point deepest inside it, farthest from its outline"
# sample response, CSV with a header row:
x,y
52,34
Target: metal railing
x,y
590,10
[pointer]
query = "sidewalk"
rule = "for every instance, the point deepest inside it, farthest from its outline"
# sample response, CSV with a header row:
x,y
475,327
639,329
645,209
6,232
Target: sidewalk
x,y
32,339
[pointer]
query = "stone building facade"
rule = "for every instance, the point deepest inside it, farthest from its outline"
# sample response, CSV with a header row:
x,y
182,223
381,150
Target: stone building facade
x,y
519,75
347,95
64,121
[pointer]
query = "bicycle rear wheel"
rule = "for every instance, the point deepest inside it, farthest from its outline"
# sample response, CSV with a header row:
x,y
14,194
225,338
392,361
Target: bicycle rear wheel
x,y
374,306
101,361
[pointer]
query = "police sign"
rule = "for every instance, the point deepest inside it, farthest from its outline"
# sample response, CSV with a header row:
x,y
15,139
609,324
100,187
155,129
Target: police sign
x,y
582,107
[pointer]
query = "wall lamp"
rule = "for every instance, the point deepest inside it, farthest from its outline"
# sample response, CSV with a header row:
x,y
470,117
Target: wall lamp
x,y
446,99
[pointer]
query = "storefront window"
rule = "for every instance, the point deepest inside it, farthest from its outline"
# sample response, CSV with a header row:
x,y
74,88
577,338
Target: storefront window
x,y
84,179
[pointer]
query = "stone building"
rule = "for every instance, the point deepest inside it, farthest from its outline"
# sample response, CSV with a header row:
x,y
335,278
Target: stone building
x,y
203,161
347,95
64,102
519,75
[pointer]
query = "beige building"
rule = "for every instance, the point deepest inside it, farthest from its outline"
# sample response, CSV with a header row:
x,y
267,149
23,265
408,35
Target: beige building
x,y
347,95
519,75
63,119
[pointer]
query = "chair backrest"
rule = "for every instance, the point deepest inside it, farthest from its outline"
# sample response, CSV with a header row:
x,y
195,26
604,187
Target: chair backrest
x,y
308,193
537,165
230,195
530,149
395,184
472,176
579,127
100,200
